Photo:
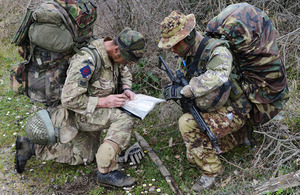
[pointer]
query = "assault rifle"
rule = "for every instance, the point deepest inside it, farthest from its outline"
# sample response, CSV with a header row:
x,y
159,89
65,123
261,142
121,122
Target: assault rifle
x,y
188,104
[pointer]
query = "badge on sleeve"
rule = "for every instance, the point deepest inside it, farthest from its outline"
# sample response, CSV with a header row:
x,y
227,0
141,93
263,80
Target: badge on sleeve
x,y
85,71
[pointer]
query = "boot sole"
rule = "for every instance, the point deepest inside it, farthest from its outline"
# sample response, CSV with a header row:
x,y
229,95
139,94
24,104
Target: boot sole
x,y
18,147
108,186
18,143
113,186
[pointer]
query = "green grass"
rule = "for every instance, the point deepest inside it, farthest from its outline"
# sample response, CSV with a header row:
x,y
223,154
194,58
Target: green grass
x,y
14,112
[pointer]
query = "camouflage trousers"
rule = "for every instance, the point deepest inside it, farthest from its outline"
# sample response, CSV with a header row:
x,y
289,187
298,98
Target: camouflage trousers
x,y
86,144
230,133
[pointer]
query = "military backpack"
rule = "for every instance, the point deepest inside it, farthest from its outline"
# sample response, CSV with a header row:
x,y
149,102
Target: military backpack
x,y
47,37
260,70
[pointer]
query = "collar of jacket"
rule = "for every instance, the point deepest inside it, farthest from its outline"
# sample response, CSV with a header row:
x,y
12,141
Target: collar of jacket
x,y
99,45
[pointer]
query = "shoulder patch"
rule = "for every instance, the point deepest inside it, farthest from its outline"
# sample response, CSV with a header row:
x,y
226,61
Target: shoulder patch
x,y
85,71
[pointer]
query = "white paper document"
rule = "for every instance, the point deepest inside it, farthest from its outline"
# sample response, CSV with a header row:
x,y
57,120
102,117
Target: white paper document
x,y
141,105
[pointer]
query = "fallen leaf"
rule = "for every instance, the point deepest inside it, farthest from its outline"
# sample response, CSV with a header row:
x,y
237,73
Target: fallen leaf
x,y
225,182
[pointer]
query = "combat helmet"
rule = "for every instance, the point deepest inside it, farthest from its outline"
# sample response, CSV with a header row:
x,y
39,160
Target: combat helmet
x,y
175,28
40,130
131,45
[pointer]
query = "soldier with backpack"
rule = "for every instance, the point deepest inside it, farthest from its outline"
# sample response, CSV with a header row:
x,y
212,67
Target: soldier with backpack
x,y
89,107
82,93
236,79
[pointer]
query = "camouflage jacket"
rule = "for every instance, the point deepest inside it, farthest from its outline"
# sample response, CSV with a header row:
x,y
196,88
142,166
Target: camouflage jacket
x,y
217,70
78,93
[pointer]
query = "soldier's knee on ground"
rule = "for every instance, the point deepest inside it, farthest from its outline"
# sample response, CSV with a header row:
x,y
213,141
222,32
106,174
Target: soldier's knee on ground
x,y
107,155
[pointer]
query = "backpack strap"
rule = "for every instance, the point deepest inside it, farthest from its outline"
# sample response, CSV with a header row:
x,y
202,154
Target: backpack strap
x,y
193,67
225,87
96,57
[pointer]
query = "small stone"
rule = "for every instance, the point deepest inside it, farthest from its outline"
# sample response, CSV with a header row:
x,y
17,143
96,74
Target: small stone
x,y
236,172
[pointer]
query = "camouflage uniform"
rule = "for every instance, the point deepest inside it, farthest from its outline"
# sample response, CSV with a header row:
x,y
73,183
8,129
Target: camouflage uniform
x,y
227,121
228,131
89,120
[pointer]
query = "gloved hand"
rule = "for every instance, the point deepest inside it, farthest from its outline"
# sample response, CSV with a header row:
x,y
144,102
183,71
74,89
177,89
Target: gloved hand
x,y
134,153
172,92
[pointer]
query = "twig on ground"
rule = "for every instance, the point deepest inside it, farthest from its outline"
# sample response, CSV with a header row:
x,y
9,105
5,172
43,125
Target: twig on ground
x,y
162,168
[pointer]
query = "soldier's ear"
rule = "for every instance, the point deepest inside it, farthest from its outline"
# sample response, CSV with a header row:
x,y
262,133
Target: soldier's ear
x,y
116,50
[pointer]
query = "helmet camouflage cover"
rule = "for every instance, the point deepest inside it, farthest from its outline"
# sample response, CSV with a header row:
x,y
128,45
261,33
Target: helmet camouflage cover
x,y
131,45
39,129
175,28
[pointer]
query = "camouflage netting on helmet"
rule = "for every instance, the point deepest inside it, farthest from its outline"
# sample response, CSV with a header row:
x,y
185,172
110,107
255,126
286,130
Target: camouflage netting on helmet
x,y
252,37
39,129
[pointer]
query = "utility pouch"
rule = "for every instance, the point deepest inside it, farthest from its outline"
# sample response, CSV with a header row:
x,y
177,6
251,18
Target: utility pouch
x,y
236,90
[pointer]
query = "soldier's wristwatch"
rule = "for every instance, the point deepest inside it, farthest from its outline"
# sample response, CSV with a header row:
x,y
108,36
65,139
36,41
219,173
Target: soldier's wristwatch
x,y
126,89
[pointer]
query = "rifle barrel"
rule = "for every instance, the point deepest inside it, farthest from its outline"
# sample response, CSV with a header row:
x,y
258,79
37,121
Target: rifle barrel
x,y
189,103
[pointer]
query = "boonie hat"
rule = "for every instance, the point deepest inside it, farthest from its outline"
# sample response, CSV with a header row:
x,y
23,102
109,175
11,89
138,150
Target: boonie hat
x,y
175,28
131,45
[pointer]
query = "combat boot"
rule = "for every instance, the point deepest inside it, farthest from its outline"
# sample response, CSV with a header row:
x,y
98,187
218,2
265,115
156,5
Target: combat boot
x,y
249,140
204,183
115,179
24,150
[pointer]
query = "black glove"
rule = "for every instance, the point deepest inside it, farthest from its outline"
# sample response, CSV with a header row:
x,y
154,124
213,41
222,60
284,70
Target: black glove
x,y
134,153
172,92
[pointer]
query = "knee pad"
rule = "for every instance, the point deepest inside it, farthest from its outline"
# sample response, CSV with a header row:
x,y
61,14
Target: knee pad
x,y
106,155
